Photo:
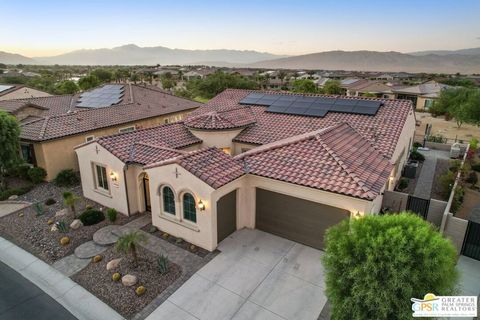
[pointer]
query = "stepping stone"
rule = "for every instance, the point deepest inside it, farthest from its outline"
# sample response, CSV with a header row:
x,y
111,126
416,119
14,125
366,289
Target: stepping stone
x,y
106,236
139,222
88,250
70,265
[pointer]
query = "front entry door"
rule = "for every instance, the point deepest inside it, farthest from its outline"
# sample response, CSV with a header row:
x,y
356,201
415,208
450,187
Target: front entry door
x,y
146,193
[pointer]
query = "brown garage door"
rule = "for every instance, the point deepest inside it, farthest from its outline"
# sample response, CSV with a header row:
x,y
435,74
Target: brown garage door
x,y
226,215
295,219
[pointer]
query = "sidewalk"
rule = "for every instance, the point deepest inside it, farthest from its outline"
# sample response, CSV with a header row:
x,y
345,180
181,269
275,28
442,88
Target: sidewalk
x,y
78,301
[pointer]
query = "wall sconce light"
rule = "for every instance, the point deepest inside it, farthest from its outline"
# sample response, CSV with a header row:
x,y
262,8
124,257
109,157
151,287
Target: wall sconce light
x,y
113,176
357,215
201,205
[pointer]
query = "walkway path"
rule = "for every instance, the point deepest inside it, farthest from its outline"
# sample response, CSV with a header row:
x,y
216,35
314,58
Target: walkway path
x,y
8,207
73,297
423,189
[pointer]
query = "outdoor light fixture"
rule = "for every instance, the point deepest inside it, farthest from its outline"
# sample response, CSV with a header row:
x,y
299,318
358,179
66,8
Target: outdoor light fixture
x,y
113,176
201,205
357,215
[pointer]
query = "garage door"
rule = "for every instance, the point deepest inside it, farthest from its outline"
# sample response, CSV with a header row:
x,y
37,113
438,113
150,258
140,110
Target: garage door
x,y
295,219
226,215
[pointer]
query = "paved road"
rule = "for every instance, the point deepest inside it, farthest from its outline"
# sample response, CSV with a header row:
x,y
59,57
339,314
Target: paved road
x,y
22,300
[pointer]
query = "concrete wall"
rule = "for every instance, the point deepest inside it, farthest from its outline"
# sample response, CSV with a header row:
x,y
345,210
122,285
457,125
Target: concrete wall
x,y
395,201
46,153
435,211
24,93
455,229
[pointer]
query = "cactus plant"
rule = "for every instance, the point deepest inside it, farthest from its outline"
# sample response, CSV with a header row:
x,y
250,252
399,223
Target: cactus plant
x,y
39,209
163,264
140,290
97,258
116,276
50,221
62,226
64,241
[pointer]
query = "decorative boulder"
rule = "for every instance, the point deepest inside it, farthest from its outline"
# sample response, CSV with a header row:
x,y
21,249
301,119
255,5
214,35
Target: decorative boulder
x,y
129,280
61,213
13,197
64,241
116,276
165,235
50,221
54,228
97,258
140,290
76,224
113,264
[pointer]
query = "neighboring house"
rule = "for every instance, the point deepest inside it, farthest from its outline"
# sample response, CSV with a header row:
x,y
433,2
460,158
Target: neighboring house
x,y
52,126
245,159
15,91
423,96
379,89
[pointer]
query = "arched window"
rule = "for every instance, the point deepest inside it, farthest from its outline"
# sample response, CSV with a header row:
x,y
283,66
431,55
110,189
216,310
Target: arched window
x,y
189,210
168,200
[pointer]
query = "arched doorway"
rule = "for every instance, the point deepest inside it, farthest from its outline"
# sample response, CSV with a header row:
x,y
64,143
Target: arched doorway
x,y
146,192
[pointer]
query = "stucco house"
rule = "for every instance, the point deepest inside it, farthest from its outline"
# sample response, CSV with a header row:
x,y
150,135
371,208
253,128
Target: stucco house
x,y
56,124
243,161
423,96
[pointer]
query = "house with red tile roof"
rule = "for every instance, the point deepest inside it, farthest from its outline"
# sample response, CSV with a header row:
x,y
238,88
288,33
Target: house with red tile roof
x,y
54,124
288,164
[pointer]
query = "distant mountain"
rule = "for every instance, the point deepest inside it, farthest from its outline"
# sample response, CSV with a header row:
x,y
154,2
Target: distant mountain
x,y
135,55
13,58
471,51
377,61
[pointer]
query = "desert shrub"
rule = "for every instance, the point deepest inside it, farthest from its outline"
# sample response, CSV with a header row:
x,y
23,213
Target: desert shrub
x,y
403,184
36,174
417,156
417,145
20,171
5,194
472,178
376,264
455,165
163,264
446,182
62,226
91,216
438,138
457,199
50,201
112,214
476,167
67,178
473,144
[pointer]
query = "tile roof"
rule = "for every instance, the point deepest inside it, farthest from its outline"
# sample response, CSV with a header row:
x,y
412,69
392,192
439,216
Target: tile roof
x,y
429,88
63,118
211,165
337,159
149,145
382,130
220,120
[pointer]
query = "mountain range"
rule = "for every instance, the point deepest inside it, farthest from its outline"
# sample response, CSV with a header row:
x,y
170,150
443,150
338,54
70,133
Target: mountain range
x,y
463,61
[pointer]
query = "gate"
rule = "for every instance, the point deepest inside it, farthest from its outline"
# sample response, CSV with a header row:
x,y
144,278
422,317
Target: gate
x,y
418,205
471,243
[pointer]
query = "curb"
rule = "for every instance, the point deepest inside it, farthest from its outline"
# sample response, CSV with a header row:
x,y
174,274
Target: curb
x,y
73,297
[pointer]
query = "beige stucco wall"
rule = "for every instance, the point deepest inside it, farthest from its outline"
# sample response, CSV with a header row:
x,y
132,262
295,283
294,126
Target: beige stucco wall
x,y
26,111
24,93
219,139
47,152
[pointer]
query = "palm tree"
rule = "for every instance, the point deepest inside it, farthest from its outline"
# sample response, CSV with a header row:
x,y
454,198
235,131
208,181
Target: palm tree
x,y
128,244
69,200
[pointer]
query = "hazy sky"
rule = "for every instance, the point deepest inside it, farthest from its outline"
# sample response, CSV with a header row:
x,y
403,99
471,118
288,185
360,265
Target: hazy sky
x,y
40,28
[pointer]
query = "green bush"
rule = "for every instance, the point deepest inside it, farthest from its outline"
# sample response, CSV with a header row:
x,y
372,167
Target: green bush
x,y
163,264
472,178
39,209
457,199
112,214
476,167
62,226
67,178
21,171
37,174
376,264
417,156
446,182
474,144
455,165
91,216
417,145
4,195
403,184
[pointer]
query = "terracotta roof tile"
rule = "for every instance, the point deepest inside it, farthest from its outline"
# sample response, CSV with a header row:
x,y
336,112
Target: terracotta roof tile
x,y
220,120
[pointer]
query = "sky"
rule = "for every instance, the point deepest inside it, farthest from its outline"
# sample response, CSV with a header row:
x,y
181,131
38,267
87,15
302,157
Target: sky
x,y
45,28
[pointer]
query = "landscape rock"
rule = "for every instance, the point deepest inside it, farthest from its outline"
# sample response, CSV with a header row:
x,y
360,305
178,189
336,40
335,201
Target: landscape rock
x,y
50,221
97,258
129,280
13,197
64,241
76,224
61,213
113,264
54,228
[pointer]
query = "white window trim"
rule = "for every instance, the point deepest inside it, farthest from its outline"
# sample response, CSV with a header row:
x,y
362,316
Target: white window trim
x,y
162,204
126,129
89,138
97,186
182,218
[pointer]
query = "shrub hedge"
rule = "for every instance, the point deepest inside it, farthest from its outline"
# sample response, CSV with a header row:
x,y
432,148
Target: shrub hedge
x,y
91,216
67,178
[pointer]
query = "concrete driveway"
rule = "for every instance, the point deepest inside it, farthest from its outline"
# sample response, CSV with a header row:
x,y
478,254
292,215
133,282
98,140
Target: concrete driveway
x,y
256,276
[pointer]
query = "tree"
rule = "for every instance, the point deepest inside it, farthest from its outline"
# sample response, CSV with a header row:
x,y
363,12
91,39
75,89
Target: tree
x,y
459,103
69,200
103,75
66,87
88,82
134,77
10,145
128,244
217,82
332,87
304,86
376,264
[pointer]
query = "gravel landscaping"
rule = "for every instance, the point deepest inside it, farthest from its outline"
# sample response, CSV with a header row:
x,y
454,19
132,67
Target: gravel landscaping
x,y
32,232
96,279
442,166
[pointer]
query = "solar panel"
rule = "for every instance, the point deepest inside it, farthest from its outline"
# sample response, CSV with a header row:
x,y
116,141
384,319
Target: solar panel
x,y
282,103
101,97
341,108
279,109
314,112
4,87
296,110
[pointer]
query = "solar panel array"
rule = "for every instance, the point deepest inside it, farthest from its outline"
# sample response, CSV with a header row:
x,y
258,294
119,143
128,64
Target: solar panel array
x,y
105,96
311,106
4,87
